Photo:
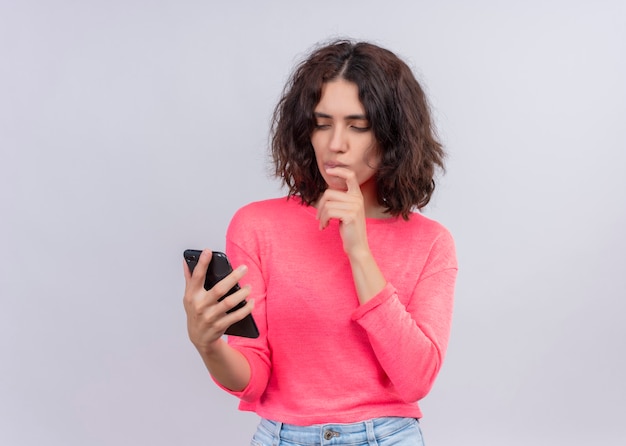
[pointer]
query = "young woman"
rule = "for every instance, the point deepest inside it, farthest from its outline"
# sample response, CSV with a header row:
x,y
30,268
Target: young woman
x,y
351,288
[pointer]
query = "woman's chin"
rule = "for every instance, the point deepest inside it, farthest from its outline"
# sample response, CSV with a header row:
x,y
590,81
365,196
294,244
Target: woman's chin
x,y
337,184
339,187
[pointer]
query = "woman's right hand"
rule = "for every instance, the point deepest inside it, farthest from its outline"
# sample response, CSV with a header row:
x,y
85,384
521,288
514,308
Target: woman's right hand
x,y
206,317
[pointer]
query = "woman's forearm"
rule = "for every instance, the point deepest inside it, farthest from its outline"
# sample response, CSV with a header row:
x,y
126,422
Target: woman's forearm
x,y
368,279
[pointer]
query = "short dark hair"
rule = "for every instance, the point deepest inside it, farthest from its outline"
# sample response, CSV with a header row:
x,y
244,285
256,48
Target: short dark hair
x,y
396,108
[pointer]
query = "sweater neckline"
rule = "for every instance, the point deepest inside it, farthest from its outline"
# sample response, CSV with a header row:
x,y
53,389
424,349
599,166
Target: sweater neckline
x,y
310,210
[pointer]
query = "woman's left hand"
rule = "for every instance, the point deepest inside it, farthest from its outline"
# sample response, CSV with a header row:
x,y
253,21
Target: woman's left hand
x,y
348,207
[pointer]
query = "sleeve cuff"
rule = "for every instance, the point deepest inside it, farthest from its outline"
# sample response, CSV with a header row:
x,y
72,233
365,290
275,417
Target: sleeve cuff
x,y
383,296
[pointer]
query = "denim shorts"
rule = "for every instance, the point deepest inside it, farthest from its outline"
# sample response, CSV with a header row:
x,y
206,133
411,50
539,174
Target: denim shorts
x,y
388,431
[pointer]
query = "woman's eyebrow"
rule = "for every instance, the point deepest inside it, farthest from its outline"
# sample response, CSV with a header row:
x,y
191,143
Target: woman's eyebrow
x,y
321,115
348,118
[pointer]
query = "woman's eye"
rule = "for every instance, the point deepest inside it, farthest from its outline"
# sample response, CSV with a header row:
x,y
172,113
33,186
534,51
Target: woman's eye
x,y
321,126
360,128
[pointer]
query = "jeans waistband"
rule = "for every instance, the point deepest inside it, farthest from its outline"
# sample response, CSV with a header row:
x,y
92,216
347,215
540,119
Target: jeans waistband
x,y
364,431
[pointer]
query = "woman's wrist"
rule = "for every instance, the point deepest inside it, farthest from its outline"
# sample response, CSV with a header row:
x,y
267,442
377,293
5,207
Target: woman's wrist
x,y
368,279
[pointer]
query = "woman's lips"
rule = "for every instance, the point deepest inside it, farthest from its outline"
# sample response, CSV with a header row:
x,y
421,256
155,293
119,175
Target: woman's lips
x,y
332,165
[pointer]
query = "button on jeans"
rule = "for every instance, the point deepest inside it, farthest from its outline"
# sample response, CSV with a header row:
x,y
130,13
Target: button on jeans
x,y
388,431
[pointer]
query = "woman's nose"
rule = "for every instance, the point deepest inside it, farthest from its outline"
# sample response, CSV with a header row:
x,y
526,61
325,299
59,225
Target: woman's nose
x,y
338,141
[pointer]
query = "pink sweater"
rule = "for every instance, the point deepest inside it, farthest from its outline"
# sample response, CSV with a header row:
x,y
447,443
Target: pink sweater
x,y
321,356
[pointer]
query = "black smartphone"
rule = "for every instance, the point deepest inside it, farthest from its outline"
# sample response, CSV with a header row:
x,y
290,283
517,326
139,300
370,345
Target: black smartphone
x,y
218,269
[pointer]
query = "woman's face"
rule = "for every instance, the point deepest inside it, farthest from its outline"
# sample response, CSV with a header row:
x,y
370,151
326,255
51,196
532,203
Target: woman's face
x,y
343,136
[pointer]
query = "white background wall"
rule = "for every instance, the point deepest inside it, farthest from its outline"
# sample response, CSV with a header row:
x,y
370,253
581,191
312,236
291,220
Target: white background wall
x,y
119,118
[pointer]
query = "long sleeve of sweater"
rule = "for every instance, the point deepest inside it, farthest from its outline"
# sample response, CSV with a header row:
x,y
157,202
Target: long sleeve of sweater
x,y
410,341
